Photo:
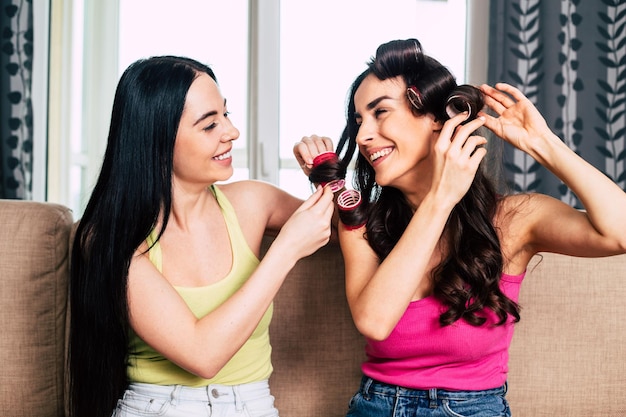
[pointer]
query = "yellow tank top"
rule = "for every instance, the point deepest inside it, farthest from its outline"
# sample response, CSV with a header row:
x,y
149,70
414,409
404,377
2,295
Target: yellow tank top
x,y
251,363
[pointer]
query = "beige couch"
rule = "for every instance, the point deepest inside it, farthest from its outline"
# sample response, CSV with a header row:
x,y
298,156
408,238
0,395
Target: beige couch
x,y
568,356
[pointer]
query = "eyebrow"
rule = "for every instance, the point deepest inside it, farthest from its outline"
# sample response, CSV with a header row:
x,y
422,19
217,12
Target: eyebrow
x,y
207,114
374,103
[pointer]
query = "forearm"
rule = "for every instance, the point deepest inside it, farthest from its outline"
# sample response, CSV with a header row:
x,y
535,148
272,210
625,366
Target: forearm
x,y
403,276
229,326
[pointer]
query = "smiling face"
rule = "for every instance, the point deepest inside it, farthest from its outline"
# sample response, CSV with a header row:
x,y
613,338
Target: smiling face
x,y
397,143
202,151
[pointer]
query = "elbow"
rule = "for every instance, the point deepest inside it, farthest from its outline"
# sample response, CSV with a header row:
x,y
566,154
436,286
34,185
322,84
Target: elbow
x,y
205,371
376,330
618,246
202,366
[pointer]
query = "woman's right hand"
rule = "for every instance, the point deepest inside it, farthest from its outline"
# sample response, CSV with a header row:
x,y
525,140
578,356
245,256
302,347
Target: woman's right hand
x,y
308,148
309,227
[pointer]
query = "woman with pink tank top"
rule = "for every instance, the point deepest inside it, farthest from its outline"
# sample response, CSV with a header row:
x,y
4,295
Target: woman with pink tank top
x,y
434,256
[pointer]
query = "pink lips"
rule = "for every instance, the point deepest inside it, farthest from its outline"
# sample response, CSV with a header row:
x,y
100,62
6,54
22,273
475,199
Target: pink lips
x,y
379,155
223,157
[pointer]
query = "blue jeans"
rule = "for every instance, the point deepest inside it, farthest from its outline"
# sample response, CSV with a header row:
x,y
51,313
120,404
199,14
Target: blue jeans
x,y
246,400
376,399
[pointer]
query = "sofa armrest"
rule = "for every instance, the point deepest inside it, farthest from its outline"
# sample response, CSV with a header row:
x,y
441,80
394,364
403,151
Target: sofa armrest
x,y
34,241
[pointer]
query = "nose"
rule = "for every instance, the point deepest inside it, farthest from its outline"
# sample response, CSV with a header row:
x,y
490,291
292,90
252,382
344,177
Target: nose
x,y
231,132
364,134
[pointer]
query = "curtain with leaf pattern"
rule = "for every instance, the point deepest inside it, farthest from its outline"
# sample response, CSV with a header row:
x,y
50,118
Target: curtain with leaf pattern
x,y
569,58
16,122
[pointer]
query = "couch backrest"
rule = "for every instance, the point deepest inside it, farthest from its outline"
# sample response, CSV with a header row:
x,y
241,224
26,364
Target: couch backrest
x,y
316,350
34,240
568,356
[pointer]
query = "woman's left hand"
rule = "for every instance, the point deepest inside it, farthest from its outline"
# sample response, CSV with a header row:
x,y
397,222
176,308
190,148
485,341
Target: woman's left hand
x,y
308,148
458,153
519,121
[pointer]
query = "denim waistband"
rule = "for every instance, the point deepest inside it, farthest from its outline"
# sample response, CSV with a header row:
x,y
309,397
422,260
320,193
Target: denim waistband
x,y
212,393
371,386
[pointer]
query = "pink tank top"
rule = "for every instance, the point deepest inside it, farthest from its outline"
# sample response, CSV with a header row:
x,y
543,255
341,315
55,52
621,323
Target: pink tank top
x,y
421,354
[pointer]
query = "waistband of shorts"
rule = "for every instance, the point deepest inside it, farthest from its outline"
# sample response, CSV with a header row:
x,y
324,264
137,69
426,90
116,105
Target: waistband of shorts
x,y
213,393
372,386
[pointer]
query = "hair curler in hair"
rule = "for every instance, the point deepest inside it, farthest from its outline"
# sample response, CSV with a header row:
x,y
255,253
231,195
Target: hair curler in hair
x,y
348,204
452,107
415,97
328,156
328,171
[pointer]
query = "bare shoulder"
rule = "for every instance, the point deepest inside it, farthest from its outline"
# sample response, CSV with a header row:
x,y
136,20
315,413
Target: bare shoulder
x,y
261,202
524,203
514,224
521,208
254,194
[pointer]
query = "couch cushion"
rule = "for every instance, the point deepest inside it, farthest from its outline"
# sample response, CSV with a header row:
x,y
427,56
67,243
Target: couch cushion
x,y
317,350
568,356
34,239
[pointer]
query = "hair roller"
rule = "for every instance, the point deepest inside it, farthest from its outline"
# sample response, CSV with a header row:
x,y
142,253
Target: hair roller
x,y
415,97
464,98
455,105
350,209
328,156
406,55
327,169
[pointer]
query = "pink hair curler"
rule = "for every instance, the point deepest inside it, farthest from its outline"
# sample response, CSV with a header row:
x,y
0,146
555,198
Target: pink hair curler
x,y
325,157
335,185
415,97
349,200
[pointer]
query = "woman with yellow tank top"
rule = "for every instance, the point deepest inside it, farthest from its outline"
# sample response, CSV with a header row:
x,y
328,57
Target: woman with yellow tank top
x,y
170,300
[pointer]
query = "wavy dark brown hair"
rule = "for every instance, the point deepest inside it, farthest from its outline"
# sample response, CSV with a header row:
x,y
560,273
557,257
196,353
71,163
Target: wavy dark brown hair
x,y
467,280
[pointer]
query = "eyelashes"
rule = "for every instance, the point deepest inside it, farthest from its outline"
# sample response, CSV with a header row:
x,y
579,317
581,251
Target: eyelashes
x,y
214,124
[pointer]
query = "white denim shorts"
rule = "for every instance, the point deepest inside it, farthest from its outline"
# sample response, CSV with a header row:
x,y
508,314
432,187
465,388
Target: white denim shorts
x,y
245,400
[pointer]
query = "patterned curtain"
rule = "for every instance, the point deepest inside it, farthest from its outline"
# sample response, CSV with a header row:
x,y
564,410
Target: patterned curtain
x,y
16,122
569,58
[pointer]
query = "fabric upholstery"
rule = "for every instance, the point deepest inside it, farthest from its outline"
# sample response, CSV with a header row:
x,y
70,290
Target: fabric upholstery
x,y
316,349
568,356
33,299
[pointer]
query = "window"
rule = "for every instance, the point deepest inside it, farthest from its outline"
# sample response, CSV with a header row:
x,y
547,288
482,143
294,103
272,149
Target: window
x,y
215,33
325,44
285,67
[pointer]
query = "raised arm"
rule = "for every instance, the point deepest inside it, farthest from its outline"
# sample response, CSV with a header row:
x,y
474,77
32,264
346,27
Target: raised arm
x,y
555,227
379,293
204,345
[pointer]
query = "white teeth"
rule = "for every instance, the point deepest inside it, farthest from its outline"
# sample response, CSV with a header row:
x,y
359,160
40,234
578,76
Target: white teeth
x,y
380,153
222,156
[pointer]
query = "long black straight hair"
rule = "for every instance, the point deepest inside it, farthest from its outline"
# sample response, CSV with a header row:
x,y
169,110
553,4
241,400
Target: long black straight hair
x,y
132,193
